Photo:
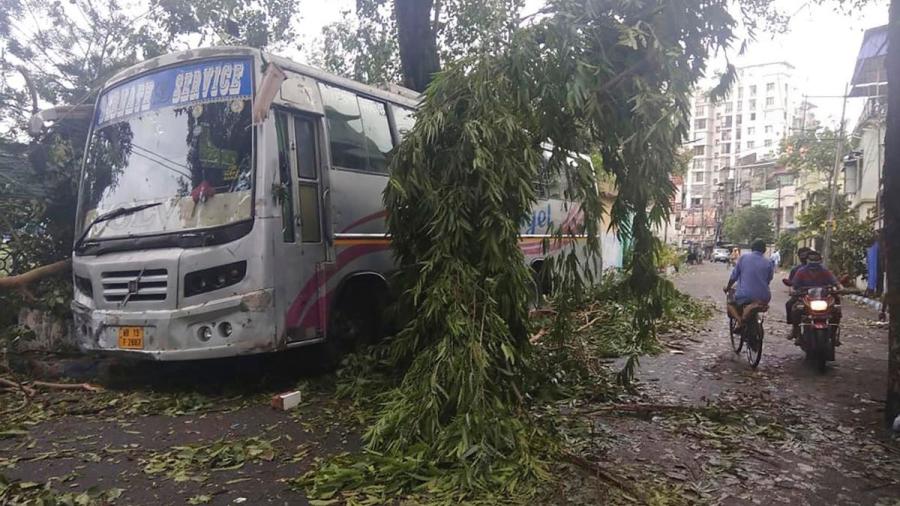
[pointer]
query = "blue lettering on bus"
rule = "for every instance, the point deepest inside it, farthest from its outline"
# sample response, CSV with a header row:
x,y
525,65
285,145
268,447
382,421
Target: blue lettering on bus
x,y
182,85
539,222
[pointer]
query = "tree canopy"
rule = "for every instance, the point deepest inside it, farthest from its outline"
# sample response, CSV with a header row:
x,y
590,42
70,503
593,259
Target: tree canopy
x,y
851,236
587,76
91,40
373,45
812,151
749,224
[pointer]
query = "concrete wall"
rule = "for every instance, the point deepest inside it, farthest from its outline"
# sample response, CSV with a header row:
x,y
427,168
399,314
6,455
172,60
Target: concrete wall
x,y
48,332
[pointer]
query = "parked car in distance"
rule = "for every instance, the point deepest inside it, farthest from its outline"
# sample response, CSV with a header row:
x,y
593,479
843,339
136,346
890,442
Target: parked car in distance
x,y
720,255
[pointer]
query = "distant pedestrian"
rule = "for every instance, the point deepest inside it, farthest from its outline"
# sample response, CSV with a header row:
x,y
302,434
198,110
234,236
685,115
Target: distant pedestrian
x,y
735,255
776,258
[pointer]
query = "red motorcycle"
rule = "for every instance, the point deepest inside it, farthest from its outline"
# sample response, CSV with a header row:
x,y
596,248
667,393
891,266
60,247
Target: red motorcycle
x,y
819,309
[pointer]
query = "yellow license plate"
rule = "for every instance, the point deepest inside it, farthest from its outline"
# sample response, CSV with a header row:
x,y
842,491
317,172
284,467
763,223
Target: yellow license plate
x,y
131,338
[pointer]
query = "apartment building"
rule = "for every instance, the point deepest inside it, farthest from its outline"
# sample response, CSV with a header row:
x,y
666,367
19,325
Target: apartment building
x,y
757,114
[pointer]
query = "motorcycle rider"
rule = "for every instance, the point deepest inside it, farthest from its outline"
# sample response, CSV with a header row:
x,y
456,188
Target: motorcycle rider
x,y
814,275
792,300
801,254
753,273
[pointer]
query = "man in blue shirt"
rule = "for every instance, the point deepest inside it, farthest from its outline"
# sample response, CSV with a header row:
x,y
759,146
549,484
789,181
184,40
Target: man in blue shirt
x,y
753,273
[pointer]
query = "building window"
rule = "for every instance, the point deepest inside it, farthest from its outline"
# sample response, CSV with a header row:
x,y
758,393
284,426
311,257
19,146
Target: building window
x,y
769,129
741,92
768,143
789,214
700,110
726,148
752,103
696,201
699,124
752,116
699,150
751,130
698,164
728,107
770,101
750,144
698,177
770,86
728,122
752,90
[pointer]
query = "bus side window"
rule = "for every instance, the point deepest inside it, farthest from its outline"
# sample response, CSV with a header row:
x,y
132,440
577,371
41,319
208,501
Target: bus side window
x,y
551,184
540,186
404,120
377,132
359,134
286,191
308,173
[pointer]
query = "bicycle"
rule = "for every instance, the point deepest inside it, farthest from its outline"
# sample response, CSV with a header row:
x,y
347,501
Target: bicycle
x,y
751,334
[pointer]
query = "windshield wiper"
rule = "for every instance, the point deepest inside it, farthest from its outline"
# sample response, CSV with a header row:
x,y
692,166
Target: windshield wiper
x,y
111,215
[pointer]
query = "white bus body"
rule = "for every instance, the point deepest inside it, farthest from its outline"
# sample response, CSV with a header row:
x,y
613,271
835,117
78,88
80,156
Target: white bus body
x,y
253,233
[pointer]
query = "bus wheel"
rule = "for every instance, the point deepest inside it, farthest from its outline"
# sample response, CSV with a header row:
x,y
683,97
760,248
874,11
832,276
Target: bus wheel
x,y
542,283
357,318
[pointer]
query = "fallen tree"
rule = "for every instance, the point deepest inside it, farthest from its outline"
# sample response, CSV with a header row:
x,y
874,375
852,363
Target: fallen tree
x,y
586,76
23,282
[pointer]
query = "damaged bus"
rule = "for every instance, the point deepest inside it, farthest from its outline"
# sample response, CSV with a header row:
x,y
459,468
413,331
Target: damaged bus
x,y
230,203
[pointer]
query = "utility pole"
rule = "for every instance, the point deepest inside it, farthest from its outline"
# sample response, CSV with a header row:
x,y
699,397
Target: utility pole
x,y
778,217
891,231
832,181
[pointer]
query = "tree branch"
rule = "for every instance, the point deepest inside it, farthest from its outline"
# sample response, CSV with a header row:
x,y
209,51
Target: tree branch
x,y
22,281
29,83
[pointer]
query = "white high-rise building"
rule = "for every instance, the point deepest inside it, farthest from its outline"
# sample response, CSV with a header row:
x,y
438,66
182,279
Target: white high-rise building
x,y
753,118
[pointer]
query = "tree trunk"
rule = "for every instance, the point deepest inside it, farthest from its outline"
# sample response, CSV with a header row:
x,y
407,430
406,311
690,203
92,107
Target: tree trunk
x,y
417,41
22,281
892,211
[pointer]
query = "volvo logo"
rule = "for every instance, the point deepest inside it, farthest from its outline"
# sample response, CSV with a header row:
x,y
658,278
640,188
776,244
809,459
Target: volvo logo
x,y
134,286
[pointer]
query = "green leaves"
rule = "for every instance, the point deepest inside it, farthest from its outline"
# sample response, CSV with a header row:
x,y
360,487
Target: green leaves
x,y
748,224
194,462
590,77
28,493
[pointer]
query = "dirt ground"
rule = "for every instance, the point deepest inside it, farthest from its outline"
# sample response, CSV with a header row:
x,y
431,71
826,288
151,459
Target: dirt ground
x,y
783,433
803,438
189,433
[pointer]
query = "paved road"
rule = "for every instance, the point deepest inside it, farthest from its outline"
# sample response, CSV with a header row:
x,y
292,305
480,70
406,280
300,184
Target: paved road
x,y
811,439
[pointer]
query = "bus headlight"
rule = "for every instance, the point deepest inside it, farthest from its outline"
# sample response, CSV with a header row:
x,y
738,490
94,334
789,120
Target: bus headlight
x,y
214,278
818,305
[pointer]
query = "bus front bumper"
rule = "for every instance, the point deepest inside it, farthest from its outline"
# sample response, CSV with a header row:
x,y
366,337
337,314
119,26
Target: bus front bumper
x,y
236,325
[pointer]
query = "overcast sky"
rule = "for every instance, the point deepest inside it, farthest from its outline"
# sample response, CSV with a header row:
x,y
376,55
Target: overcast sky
x,y
822,44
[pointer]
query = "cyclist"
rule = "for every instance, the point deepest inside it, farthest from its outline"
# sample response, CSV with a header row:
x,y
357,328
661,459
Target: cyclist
x,y
753,273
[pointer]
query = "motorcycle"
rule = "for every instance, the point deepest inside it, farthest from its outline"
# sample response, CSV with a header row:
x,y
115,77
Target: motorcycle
x,y
820,315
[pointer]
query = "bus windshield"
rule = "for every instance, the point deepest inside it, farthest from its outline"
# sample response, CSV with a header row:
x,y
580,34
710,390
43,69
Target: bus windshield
x,y
193,155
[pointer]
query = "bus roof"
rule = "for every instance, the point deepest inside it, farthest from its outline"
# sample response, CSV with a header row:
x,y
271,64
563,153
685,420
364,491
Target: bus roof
x,y
395,93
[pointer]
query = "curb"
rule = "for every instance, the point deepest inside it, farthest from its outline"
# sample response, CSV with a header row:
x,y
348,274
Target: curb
x,y
865,301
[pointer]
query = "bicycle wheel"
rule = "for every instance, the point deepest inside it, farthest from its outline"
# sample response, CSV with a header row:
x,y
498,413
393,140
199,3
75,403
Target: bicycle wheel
x,y
753,334
736,342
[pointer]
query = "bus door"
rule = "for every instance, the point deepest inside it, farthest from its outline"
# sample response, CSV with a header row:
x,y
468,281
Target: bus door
x,y
302,248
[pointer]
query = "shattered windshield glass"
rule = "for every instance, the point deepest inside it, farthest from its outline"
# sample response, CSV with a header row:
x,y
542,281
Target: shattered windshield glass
x,y
194,158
